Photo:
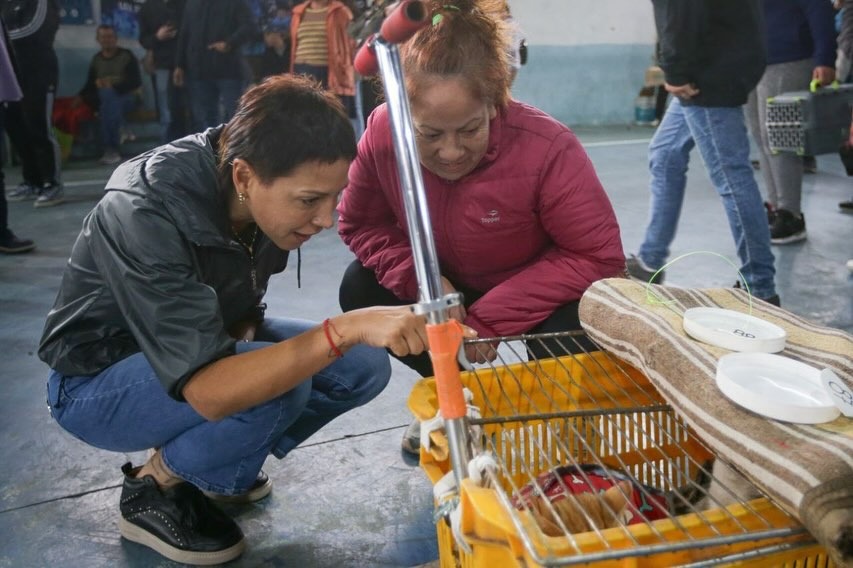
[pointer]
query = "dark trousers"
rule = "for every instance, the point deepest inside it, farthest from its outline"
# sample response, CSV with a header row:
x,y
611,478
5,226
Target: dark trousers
x,y
360,289
29,123
4,208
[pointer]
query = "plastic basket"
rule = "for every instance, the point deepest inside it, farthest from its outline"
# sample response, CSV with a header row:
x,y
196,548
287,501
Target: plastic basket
x,y
595,408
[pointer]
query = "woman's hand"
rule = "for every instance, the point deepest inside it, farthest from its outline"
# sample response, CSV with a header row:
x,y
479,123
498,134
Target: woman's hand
x,y
481,352
394,327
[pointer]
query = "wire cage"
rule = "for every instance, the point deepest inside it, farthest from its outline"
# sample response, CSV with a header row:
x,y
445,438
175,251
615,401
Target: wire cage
x,y
807,123
590,414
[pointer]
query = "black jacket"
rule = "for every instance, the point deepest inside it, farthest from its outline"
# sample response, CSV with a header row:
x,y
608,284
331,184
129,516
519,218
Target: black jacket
x,y
209,21
156,270
153,15
718,45
32,26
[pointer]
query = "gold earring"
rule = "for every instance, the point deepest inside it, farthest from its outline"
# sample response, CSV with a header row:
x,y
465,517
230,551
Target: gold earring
x,y
241,197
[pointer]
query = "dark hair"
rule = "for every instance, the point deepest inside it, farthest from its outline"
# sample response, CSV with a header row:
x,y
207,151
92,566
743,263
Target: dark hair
x,y
468,39
283,123
104,27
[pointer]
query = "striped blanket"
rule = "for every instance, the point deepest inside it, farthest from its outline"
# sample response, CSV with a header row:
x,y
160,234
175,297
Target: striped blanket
x,y
807,469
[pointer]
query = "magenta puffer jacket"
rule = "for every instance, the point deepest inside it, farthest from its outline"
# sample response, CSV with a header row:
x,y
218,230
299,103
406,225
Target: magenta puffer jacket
x,y
531,226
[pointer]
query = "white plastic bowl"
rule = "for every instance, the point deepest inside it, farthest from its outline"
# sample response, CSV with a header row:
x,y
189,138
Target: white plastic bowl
x,y
733,330
776,387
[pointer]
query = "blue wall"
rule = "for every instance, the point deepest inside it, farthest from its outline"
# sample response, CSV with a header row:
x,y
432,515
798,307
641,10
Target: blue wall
x,y
584,84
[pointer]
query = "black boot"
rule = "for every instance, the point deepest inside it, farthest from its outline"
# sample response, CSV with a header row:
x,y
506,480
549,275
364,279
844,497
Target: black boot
x,y
179,522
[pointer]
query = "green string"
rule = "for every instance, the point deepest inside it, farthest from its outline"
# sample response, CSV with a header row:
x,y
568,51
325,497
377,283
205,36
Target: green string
x,y
654,299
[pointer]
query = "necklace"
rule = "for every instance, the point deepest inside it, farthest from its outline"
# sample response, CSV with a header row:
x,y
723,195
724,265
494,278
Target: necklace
x,y
250,249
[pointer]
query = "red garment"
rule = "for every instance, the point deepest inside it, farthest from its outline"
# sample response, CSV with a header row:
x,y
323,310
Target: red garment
x,y
648,503
67,117
341,45
531,226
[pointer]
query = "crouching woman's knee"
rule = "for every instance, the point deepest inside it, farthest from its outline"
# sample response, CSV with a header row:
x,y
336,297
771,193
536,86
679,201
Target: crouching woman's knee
x,y
366,373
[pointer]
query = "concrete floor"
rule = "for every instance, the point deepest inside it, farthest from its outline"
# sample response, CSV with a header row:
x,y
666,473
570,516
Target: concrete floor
x,y
347,498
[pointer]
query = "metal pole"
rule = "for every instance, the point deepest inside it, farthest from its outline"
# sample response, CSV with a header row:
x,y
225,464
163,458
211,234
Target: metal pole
x,y
418,221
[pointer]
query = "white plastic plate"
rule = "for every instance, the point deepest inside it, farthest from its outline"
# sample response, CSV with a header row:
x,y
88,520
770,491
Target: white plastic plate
x,y
733,330
775,387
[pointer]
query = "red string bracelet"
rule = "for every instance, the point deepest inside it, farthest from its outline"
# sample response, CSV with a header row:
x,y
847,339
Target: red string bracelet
x,y
327,323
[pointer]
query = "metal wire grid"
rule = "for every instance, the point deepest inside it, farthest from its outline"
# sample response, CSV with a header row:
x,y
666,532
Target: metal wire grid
x,y
621,424
785,125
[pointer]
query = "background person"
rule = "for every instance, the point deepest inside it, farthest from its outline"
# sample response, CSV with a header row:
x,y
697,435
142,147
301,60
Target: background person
x,y
32,26
159,22
112,89
712,53
800,47
522,224
208,58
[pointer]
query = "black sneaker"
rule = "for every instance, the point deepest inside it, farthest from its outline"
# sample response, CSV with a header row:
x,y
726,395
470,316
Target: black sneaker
x,y
787,228
771,213
179,522
10,244
638,270
411,443
809,165
259,489
846,206
774,299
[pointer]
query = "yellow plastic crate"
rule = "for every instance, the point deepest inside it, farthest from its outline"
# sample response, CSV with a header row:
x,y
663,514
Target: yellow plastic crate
x,y
593,408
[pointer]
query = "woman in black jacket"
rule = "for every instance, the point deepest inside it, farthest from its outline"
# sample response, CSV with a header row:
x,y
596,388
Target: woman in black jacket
x,y
158,337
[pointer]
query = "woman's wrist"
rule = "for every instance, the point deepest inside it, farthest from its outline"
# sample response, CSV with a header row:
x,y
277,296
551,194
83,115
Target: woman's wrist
x,y
333,336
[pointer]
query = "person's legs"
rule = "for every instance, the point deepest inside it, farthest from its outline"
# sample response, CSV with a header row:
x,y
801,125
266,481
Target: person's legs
x,y
110,115
162,87
564,318
230,91
204,104
319,72
722,139
19,136
349,382
125,409
38,109
669,155
177,99
9,242
756,114
785,168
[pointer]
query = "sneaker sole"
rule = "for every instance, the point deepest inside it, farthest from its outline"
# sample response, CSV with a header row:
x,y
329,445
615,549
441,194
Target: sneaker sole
x,y
138,535
50,203
17,250
795,238
252,496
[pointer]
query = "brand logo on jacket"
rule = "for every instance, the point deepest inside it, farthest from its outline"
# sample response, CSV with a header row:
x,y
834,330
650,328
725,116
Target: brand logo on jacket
x,y
492,216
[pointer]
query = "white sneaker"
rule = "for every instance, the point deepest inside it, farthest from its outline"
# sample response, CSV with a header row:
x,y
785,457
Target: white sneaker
x,y
110,157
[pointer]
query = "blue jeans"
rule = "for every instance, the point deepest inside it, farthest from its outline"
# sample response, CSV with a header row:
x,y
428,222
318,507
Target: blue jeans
x,y
111,111
125,409
720,134
171,108
206,97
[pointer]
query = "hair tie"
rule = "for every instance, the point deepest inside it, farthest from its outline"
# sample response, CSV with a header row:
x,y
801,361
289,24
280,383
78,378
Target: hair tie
x,y
436,19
